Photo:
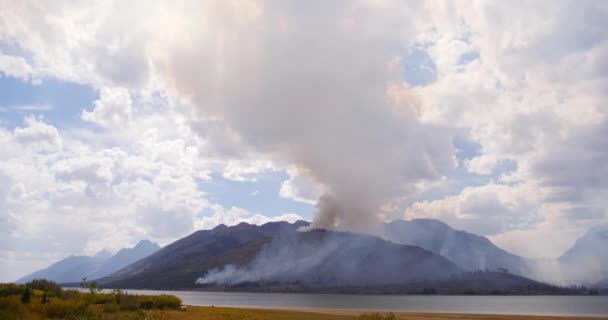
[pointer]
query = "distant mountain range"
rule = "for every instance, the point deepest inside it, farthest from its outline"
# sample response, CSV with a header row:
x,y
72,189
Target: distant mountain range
x,y
467,250
275,257
413,256
587,261
75,268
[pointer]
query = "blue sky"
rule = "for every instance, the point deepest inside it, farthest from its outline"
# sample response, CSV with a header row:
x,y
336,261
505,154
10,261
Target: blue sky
x,y
170,120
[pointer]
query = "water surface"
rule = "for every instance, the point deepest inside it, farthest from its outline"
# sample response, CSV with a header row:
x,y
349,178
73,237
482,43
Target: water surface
x,y
530,305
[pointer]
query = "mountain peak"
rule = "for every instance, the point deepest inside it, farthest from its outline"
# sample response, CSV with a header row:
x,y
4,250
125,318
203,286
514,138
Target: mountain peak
x,y
146,244
103,254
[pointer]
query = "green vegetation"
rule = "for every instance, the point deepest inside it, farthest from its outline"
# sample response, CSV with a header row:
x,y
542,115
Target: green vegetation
x,y
42,299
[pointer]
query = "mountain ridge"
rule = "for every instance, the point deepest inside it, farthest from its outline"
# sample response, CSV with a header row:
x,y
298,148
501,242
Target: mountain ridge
x,y
75,268
468,250
275,257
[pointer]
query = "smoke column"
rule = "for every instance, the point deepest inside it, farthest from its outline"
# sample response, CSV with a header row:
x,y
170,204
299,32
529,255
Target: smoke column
x,y
315,88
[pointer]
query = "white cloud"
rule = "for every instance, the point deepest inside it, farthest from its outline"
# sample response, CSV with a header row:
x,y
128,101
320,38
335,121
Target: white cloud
x,y
526,83
38,135
114,108
300,187
246,170
483,165
487,210
235,215
16,67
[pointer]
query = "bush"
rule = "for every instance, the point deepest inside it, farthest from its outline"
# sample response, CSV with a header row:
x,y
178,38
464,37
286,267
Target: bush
x,y
129,302
377,316
111,308
11,289
46,286
12,303
162,301
165,301
59,308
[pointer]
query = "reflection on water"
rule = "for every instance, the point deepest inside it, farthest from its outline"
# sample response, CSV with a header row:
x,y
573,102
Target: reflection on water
x,y
532,305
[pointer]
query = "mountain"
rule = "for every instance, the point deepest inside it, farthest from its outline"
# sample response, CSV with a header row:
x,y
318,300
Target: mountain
x,y
276,257
70,269
587,261
321,258
467,250
602,284
75,268
125,257
178,265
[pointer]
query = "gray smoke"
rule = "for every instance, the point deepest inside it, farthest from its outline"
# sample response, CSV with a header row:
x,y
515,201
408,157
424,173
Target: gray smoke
x,y
316,88
329,258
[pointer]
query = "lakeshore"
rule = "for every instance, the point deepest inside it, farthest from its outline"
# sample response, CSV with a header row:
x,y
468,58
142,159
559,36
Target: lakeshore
x,y
223,313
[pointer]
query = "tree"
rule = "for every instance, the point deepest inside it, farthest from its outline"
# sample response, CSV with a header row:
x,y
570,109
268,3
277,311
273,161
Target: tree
x,y
117,293
26,296
92,286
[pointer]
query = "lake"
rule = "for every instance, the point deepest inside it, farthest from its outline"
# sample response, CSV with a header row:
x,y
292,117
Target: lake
x,y
529,305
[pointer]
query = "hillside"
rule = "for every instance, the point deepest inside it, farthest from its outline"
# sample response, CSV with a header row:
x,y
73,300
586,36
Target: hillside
x,y
276,257
587,260
321,258
465,249
74,268
70,269
178,265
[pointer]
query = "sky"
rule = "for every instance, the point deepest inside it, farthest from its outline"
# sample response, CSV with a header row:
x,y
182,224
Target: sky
x,y
130,120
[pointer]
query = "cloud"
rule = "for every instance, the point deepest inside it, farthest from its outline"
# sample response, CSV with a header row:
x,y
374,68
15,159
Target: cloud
x,y
38,135
68,193
235,215
329,93
15,67
114,108
244,170
487,210
300,187
33,108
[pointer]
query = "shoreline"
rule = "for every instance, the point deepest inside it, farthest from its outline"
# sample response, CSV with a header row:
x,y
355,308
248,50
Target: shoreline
x,y
399,314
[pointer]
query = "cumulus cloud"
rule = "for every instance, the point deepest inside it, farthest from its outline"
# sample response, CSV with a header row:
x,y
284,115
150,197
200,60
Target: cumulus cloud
x,y
358,101
235,215
16,67
114,108
38,135
487,210
300,187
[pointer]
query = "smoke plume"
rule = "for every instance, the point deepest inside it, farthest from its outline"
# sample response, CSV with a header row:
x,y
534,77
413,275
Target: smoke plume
x,y
328,258
316,88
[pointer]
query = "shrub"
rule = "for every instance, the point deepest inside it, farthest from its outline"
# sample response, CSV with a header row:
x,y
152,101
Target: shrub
x,y
377,316
12,304
111,308
60,309
46,286
165,301
26,296
146,303
10,289
162,301
129,302
103,298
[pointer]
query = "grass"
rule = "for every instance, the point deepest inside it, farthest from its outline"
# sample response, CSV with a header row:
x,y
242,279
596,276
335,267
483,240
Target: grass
x,y
221,313
41,300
